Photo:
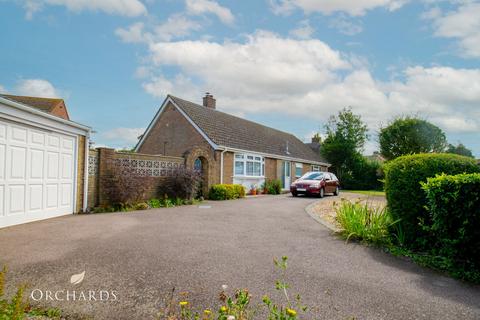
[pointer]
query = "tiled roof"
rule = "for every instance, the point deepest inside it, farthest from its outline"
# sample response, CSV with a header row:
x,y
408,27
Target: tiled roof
x,y
234,132
43,104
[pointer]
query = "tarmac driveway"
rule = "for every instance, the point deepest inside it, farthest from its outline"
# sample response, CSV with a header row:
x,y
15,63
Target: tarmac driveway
x,y
141,256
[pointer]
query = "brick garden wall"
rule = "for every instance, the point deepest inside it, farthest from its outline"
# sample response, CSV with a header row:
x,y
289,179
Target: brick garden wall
x,y
101,160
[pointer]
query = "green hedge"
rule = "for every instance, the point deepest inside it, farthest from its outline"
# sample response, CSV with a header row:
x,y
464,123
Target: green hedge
x,y
273,186
453,203
226,192
406,199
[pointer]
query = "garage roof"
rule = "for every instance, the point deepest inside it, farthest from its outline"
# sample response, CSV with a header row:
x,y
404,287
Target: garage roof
x,y
43,104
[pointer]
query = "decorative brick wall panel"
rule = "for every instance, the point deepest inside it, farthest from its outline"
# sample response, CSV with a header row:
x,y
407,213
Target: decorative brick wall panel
x,y
101,161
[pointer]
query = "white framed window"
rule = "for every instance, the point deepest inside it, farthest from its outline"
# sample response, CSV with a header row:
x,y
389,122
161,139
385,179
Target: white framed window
x,y
250,165
316,168
298,170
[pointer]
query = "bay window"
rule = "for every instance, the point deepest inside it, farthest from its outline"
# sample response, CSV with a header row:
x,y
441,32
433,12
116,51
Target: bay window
x,y
249,165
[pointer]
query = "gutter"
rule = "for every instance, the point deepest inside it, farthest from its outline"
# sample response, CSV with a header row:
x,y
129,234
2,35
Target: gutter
x,y
274,156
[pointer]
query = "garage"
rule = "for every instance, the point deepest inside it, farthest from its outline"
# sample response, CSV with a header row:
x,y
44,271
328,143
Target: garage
x,y
41,164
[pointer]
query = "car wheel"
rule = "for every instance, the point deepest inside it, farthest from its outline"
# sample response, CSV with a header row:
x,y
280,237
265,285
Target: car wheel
x,y
321,194
337,191
294,194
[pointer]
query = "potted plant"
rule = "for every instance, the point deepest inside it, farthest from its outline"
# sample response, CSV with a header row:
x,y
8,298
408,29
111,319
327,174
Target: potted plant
x,y
253,190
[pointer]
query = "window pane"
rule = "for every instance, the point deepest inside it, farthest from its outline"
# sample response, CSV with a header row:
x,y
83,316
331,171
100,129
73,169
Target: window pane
x,y
239,167
250,157
239,156
249,168
298,171
258,158
257,169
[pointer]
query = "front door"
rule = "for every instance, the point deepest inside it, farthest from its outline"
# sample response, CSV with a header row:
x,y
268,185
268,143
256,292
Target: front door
x,y
286,174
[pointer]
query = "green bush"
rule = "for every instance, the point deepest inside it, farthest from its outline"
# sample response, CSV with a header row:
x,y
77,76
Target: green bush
x,y
226,191
453,203
362,222
362,174
273,186
406,199
154,203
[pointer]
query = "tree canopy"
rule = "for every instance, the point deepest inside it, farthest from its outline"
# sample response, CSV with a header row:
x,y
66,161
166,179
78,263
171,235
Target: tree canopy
x,y
410,135
459,149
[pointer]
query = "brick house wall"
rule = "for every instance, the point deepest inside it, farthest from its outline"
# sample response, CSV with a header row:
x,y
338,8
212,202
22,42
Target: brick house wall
x,y
60,110
80,173
173,128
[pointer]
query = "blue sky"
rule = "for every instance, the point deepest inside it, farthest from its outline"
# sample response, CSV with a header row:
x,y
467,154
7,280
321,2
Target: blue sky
x,y
286,63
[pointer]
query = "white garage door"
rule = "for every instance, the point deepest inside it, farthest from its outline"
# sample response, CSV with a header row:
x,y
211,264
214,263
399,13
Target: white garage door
x,y
36,173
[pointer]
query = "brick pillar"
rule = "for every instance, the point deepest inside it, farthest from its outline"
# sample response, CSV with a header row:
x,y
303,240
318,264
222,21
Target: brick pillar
x,y
105,160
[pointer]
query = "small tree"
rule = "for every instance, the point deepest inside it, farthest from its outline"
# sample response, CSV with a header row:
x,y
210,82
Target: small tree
x,y
346,137
410,135
459,149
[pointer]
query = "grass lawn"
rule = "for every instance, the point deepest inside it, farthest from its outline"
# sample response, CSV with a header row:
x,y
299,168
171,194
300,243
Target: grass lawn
x,y
367,192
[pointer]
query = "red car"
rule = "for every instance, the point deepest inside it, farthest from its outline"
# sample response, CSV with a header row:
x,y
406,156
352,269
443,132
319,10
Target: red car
x,y
316,183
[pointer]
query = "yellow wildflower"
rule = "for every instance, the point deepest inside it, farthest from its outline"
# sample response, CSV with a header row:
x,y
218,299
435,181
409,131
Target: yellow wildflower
x,y
291,312
183,303
207,312
223,309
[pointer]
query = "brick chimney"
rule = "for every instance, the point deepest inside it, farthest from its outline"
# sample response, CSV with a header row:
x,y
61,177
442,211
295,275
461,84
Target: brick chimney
x,y
209,101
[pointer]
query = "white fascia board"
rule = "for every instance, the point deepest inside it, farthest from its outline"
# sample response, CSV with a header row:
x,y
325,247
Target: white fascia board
x,y
274,156
159,113
22,113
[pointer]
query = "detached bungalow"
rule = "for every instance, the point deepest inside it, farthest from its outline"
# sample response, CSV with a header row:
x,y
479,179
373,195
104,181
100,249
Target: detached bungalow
x,y
225,148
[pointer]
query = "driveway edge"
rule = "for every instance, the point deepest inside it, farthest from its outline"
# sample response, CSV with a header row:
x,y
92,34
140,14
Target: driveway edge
x,y
314,216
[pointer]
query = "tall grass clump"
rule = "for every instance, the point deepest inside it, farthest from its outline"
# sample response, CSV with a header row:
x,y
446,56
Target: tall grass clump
x,y
361,222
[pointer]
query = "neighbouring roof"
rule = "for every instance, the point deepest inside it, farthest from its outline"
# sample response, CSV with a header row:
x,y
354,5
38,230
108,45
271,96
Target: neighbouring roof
x,y
234,132
42,104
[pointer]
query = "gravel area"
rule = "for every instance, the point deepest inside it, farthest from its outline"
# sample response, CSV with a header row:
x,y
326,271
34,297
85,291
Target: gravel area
x,y
325,209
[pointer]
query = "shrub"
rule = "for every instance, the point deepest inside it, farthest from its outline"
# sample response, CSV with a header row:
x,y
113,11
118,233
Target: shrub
x,y
453,203
362,174
141,206
183,183
124,187
365,223
154,203
406,199
226,192
273,186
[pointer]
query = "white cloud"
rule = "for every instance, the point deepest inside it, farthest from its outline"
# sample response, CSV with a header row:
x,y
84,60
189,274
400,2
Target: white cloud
x,y
345,25
306,78
129,8
353,8
462,24
122,137
133,34
36,88
198,7
303,31
176,26
2,89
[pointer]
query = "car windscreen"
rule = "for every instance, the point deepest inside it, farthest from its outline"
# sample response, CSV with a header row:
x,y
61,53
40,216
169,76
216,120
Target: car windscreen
x,y
312,176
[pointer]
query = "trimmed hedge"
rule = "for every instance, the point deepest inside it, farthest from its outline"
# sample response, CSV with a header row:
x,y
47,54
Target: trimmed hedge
x,y
406,199
226,192
453,203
